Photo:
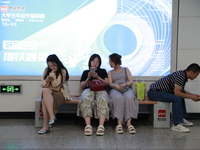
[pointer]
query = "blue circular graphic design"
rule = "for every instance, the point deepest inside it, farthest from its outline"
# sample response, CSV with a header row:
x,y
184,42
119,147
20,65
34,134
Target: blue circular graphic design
x,y
116,41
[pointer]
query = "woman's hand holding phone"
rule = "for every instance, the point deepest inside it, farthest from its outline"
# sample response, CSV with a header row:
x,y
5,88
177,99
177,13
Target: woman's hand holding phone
x,y
95,75
50,78
89,75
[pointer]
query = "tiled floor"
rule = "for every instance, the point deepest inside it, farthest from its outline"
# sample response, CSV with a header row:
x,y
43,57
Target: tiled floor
x,y
67,133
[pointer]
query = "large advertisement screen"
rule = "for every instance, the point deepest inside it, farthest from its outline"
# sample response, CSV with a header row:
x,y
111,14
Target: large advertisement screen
x,y
139,30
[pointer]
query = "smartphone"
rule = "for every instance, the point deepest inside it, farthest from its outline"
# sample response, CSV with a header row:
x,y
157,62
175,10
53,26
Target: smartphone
x,y
92,69
50,77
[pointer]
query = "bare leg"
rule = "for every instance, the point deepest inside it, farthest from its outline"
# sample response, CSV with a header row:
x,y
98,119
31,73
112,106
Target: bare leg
x,y
48,102
101,121
128,123
87,120
45,117
119,122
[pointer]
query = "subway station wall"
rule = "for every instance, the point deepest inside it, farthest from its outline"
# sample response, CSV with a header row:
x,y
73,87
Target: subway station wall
x,y
187,52
189,45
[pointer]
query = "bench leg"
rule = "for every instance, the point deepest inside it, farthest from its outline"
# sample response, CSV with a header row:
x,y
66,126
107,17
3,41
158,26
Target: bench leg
x,y
161,115
38,118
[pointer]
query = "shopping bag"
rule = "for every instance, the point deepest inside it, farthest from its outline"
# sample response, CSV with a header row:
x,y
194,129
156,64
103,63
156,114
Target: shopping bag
x,y
96,85
140,89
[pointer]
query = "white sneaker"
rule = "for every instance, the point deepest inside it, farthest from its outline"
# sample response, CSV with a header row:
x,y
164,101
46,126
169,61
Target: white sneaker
x,y
186,123
179,128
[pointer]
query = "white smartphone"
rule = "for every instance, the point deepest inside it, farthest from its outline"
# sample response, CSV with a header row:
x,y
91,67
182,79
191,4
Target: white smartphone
x,y
92,69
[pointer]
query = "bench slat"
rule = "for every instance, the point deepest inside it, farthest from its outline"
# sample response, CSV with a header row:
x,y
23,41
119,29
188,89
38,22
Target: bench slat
x,y
75,100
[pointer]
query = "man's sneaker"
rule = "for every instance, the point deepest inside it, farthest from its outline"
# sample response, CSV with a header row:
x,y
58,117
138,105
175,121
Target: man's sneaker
x,y
186,123
179,128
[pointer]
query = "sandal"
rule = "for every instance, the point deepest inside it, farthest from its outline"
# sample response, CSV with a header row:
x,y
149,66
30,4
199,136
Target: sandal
x,y
44,131
119,129
131,129
100,130
88,130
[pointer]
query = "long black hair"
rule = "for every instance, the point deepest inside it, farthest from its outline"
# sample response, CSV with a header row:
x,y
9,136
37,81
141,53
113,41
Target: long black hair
x,y
54,59
92,58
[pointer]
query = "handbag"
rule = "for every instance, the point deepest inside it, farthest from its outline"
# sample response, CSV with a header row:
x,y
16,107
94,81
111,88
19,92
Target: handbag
x,y
96,85
123,90
140,89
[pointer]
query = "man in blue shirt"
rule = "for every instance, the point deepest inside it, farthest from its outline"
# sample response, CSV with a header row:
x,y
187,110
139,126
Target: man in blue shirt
x,y
171,89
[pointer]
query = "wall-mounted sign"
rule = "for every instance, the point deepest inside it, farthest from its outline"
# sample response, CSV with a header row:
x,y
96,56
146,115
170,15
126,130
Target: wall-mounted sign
x,y
8,89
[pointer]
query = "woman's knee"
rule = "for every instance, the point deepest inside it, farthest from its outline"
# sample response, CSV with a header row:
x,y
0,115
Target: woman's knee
x,y
129,97
103,99
86,100
87,94
46,91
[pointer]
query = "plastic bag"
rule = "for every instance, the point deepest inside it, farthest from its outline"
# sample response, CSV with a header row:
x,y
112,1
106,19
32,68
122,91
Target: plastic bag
x,y
140,89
